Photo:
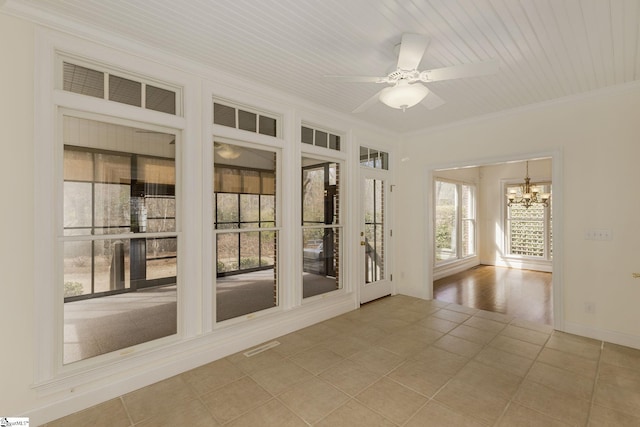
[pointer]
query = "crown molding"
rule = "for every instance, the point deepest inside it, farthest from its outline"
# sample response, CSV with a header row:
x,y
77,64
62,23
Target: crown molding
x,y
619,89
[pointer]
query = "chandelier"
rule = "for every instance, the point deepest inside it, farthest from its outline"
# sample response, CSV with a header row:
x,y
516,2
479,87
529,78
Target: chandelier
x,y
529,194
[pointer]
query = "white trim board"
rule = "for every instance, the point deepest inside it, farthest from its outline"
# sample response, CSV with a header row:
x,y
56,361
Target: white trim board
x,y
454,267
627,340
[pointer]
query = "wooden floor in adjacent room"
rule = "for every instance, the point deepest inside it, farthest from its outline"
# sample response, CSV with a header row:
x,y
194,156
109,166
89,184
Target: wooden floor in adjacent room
x,y
525,294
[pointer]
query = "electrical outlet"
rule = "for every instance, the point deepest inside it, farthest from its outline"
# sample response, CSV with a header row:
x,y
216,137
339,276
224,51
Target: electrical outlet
x,y
590,307
599,234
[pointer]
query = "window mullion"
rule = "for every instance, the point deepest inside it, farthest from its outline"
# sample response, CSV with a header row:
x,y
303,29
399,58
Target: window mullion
x,y
546,234
239,223
458,221
93,223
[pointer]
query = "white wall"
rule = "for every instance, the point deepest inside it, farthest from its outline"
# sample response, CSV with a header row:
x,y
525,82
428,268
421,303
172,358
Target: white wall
x,y
597,139
16,215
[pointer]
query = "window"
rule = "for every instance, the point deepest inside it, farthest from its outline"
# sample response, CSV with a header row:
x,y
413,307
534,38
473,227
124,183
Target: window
x,y
320,138
119,237
115,271
374,158
374,196
468,221
529,229
321,226
243,119
90,81
245,228
455,224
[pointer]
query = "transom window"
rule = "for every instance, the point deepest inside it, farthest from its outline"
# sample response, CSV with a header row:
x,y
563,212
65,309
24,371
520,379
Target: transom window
x,y
372,158
98,82
245,119
320,138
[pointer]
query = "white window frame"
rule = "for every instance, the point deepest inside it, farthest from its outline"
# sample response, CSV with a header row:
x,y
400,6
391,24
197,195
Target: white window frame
x,y
459,220
239,99
145,81
311,151
547,257
244,142
51,103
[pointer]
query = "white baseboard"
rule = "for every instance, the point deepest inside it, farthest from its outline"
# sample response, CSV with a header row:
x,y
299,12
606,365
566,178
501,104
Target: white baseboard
x,y
613,337
71,395
453,268
523,264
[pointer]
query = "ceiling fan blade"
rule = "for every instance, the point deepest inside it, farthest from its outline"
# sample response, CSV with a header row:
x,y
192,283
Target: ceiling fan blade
x,y
368,103
412,48
461,71
432,101
354,79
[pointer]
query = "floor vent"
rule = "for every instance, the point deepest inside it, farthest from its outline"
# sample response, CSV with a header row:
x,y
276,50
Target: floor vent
x,y
260,349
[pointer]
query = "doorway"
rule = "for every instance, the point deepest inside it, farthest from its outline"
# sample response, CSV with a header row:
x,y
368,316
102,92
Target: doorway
x,y
498,228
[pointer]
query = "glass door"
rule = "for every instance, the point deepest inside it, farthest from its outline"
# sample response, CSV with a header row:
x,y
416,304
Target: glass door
x,y
375,282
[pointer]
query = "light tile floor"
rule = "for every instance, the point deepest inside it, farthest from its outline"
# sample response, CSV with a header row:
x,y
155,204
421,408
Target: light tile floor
x,y
398,361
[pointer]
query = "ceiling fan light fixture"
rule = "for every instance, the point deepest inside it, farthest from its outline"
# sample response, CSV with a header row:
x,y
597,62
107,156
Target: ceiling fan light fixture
x,y
226,151
403,95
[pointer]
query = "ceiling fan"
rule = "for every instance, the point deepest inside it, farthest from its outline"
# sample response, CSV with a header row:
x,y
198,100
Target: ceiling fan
x,y
407,88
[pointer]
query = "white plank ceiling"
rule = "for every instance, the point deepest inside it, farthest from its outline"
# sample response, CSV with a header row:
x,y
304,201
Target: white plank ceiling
x,y
547,49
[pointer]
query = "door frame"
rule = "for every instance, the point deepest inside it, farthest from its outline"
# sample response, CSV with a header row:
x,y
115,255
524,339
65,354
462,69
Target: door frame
x,y
557,176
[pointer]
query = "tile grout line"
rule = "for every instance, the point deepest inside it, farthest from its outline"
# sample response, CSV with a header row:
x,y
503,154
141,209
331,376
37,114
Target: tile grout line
x,y
466,364
484,346
126,409
416,413
290,357
595,383
524,378
386,375
277,398
199,396
487,345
